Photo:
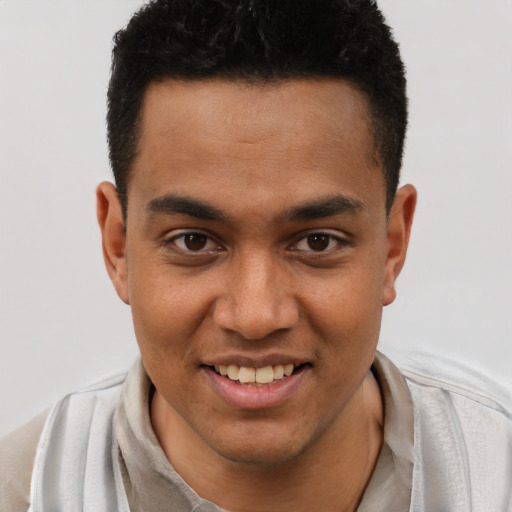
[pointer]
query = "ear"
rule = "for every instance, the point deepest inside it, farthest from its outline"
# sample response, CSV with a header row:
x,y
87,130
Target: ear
x,y
399,231
110,219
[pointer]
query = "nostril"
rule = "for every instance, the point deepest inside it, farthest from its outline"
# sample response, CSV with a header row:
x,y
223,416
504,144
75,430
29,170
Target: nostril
x,y
255,320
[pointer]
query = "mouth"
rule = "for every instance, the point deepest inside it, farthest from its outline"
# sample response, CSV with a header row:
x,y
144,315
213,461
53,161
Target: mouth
x,y
264,376
247,386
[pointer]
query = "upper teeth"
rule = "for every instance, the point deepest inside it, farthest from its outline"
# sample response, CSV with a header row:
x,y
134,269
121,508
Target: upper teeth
x,y
263,375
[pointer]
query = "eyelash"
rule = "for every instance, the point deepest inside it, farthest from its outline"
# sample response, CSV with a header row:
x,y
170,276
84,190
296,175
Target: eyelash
x,y
334,242
182,237
332,239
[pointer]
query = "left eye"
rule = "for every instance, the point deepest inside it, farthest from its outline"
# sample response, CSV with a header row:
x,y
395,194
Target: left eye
x,y
318,242
193,242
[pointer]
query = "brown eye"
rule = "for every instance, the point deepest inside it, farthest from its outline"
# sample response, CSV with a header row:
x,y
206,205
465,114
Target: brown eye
x,y
191,247
195,241
318,242
192,243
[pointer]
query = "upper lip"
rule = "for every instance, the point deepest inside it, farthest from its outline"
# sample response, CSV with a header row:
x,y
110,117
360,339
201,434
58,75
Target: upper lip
x,y
255,361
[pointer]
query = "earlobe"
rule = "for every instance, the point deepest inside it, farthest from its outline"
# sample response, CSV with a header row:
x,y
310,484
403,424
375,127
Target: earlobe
x,y
111,222
399,231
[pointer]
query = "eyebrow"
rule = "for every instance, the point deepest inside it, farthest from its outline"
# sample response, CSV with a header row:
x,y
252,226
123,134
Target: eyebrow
x,y
172,204
328,207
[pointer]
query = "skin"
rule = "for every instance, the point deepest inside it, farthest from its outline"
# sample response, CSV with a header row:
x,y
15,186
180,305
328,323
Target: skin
x,y
258,291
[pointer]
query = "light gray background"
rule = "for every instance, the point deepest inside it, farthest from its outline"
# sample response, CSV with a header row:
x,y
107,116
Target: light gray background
x,y
61,324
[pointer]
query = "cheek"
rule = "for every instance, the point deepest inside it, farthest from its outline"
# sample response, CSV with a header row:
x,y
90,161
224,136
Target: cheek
x,y
167,317
346,304
167,308
346,314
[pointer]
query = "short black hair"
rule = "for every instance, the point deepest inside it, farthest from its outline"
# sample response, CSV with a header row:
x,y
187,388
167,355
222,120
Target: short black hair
x,y
262,41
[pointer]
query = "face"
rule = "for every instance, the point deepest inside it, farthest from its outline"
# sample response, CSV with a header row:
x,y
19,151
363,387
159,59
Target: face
x,y
256,244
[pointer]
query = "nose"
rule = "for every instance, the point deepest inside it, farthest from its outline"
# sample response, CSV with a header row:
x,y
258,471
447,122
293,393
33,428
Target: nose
x,y
257,299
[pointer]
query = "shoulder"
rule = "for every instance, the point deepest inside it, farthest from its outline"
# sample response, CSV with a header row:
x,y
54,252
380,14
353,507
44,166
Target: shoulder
x,y
17,454
96,399
30,447
462,436
429,375
79,412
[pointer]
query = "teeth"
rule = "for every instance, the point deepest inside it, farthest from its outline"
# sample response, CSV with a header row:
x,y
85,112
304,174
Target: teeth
x,y
288,369
278,371
264,375
246,375
233,372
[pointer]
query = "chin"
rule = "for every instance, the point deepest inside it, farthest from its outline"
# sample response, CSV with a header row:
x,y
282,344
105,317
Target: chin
x,y
257,447
259,456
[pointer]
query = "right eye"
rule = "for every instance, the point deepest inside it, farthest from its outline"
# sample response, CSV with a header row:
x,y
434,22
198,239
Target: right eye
x,y
192,242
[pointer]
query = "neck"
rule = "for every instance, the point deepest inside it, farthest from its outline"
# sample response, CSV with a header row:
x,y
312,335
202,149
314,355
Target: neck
x,y
330,474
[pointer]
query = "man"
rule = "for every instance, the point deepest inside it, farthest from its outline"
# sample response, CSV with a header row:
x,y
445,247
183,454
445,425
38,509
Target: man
x,y
256,231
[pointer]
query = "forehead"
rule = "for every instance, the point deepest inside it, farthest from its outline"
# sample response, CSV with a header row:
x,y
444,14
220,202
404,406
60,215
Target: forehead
x,y
284,133
333,106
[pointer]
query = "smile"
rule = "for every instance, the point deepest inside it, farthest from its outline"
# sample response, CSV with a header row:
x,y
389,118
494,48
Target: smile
x,y
248,387
264,375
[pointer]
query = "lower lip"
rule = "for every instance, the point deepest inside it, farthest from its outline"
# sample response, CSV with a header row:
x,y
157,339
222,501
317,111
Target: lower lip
x,y
243,396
